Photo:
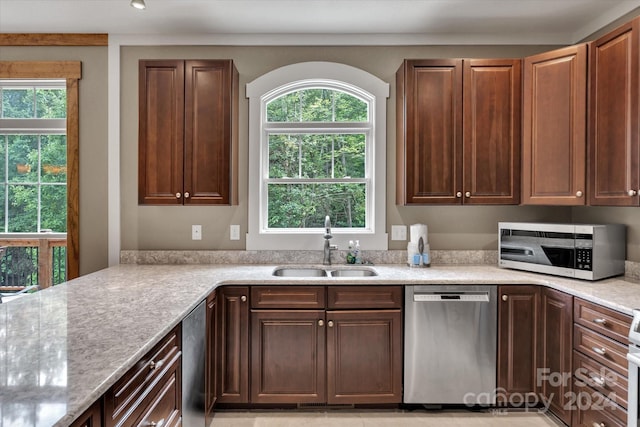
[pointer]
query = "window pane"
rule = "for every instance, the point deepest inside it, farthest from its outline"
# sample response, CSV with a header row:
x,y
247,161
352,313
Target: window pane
x,y
317,105
316,155
51,103
53,214
306,205
23,158
23,209
17,103
53,151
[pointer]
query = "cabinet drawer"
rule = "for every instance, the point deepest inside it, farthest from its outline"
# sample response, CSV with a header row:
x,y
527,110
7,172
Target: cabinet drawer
x,y
124,397
608,322
594,410
604,380
365,297
165,409
610,353
300,297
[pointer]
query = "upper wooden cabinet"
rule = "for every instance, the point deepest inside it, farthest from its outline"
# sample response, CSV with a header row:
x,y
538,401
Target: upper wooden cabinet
x,y
555,127
614,170
458,131
187,132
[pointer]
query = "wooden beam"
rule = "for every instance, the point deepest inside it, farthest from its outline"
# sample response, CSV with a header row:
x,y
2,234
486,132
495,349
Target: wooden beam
x,y
53,39
73,180
40,69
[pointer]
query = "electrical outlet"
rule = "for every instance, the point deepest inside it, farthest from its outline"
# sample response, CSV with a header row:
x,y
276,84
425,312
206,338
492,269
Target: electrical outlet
x,y
234,232
398,232
196,232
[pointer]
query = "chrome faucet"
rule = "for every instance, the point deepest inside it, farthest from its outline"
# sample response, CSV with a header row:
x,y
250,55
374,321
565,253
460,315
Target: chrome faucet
x,y
327,236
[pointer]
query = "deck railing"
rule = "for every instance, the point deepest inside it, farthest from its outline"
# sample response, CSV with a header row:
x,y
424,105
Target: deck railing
x,y
33,259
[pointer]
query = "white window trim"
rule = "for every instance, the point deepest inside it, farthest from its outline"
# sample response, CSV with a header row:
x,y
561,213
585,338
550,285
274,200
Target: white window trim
x,y
276,81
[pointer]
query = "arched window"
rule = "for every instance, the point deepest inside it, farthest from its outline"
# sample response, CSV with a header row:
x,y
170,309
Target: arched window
x,y
316,148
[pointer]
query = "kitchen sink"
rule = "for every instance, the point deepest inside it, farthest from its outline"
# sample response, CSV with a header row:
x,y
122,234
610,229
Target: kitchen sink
x,y
353,272
324,272
300,272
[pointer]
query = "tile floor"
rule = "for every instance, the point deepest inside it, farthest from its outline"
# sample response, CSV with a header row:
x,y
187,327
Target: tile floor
x,y
354,418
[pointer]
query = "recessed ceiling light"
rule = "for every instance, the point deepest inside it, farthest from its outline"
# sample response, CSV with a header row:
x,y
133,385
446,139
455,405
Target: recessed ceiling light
x,y
138,4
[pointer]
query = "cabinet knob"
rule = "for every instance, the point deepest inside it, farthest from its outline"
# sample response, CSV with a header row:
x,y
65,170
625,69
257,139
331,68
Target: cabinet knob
x,y
601,351
186,194
330,323
467,194
178,195
505,297
156,424
320,322
598,380
459,194
243,298
578,193
600,321
632,193
153,365
599,424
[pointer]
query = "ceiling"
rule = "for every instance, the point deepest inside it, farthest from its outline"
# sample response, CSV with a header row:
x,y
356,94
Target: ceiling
x,y
324,21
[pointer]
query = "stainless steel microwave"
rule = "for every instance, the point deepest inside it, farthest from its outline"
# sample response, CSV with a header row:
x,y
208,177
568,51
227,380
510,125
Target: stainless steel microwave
x,y
581,251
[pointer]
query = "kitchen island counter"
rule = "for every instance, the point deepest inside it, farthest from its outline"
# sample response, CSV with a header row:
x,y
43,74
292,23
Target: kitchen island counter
x,y
62,348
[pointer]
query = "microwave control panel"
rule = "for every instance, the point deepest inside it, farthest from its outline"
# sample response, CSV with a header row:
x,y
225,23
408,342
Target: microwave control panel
x,y
583,258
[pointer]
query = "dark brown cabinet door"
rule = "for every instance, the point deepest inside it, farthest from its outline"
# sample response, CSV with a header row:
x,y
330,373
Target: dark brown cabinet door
x,y
556,328
209,130
211,355
188,112
554,142
429,131
160,132
613,133
233,331
288,356
491,117
518,339
364,356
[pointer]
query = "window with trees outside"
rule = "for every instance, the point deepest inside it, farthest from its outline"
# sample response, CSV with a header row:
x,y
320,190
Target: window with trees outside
x,y
33,167
315,154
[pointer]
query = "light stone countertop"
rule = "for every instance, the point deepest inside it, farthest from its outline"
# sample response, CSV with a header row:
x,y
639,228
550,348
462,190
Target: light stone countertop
x,y
62,348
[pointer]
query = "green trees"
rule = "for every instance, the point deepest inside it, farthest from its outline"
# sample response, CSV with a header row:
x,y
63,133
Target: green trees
x,y
33,162
316,171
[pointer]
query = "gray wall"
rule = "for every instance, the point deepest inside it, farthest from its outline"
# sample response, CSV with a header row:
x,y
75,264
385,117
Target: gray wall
x,y
93,143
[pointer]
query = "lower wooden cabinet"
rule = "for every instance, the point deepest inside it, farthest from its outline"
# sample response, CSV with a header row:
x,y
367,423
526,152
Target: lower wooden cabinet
x,y
288,356
518,326
555,367
364,356
233,345
211,357
310,345
150,392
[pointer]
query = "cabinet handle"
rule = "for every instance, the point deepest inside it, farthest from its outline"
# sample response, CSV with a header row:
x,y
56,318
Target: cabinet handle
x,y
632,193
243,298
186,195
467,194
600,321
578,193
156,424
601,351
459,194
320,322
598,380
153,365
178,195
505,297
599,424
330,323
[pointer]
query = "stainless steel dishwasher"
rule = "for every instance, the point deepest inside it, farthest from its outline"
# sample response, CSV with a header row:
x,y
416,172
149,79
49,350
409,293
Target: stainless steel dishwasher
x,y
450,344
